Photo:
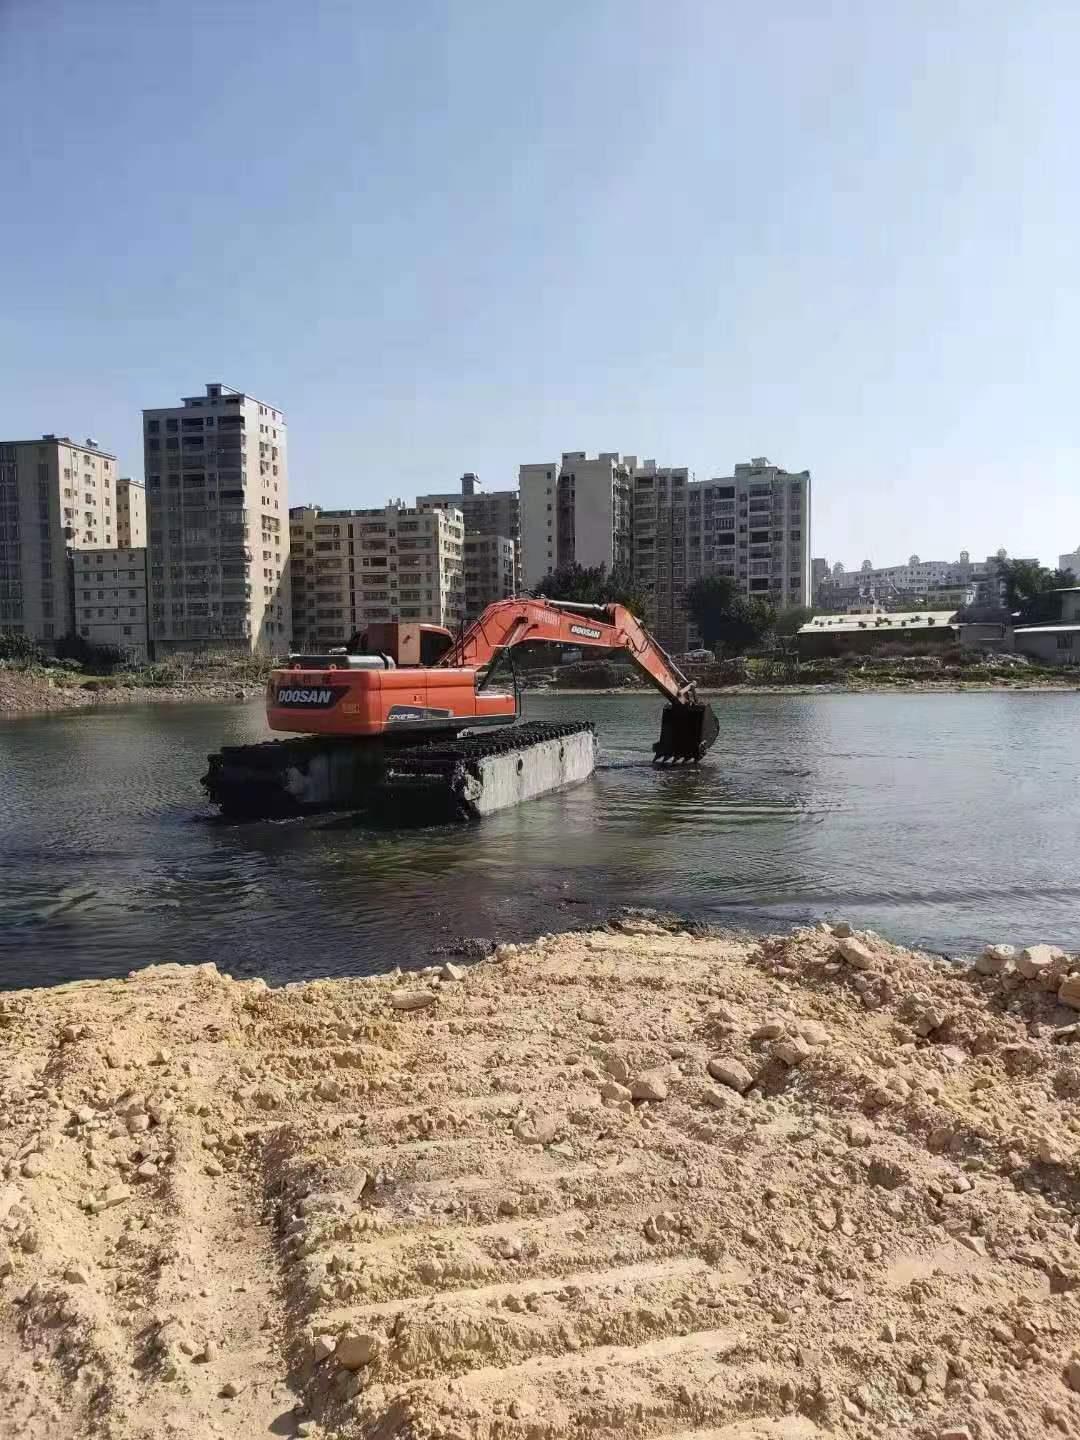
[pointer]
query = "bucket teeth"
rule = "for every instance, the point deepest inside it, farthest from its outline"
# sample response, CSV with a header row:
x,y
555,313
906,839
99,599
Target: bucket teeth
x,y
686,732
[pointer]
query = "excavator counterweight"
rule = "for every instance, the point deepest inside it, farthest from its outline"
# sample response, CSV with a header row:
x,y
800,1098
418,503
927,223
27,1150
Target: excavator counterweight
x,y
369,707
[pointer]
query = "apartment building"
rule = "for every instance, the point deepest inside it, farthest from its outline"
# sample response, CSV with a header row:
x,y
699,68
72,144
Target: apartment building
x,y
755,527
109,589
56,495
1070,562
130,513
492,512
217,527
578,511
490,571
396,562
661,545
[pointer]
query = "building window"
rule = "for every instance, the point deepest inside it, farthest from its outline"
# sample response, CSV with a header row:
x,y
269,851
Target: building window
x,y
1064,642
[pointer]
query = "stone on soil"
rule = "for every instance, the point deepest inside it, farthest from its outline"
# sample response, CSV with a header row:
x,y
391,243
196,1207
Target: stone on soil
x,y
856,954
731,1073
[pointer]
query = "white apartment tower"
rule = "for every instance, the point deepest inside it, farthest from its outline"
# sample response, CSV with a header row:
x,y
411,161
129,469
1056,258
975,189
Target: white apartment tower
x,y
350,567
56,496
576,512
217,515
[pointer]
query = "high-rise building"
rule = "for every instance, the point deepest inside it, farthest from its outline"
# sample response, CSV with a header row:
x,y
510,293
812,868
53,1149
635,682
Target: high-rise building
x,y
1071,561
490,571
755,527
662,496
109,588
578,512
392,563
668,529
492,512
55,496
130,513
218,538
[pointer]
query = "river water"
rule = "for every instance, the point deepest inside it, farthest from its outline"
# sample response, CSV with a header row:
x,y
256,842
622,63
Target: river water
x,y
940,820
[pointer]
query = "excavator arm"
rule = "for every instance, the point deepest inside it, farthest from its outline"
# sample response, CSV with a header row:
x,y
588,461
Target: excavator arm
x,y
688,728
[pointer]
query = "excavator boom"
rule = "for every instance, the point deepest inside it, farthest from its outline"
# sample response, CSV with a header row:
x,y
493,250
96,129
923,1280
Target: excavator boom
x,y
688,728
402,679
404,719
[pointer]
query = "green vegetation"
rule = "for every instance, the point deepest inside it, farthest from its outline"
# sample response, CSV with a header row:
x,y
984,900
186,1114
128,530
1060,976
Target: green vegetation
x,y
728,622
77,664
1030,589
593,585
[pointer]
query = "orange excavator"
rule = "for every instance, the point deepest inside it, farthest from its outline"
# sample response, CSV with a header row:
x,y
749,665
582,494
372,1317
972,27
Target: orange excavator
x,y
409,679
405,710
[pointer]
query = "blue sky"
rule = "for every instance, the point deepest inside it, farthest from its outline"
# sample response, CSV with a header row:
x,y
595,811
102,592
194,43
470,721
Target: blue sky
x,y
459,236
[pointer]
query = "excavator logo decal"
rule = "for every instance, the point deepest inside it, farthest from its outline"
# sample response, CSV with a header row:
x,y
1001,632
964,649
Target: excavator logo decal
x,y
310,697
417,712
585,630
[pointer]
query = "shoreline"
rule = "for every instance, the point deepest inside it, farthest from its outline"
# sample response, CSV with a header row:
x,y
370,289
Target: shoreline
x,y
22,698
576,1179
944,687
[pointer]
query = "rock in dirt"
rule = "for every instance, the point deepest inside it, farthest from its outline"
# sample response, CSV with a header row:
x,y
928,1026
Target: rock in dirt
x,y
322,1347
452,972
858,955
650,1086
1069,992
792,1051
730,1072
612,1090
412,999
356,1348
994,959
1037,959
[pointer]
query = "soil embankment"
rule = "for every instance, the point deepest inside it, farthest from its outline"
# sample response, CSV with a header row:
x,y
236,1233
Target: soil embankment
x,y
615,1184
27,693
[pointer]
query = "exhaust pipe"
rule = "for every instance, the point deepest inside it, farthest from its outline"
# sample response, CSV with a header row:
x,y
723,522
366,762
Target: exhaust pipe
x,y
686,732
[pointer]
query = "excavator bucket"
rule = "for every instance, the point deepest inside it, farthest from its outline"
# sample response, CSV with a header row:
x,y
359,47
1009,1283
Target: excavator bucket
x,y
686,732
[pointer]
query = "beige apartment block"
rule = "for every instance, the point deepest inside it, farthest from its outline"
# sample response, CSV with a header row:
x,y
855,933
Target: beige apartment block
x,y
490,572
110,598
130,513
579,512
485,512
349,567
56,495
754,527
217,524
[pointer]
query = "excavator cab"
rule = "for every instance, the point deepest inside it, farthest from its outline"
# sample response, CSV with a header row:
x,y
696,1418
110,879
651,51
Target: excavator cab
x,y
686,732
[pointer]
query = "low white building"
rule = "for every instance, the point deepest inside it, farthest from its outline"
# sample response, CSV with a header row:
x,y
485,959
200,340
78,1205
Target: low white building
x,y
109,588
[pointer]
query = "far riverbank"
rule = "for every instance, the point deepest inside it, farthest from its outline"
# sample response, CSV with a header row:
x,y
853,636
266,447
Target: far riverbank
x,y
27,693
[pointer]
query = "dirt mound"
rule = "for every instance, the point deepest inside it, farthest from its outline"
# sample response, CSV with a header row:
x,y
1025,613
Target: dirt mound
x,y
615,1184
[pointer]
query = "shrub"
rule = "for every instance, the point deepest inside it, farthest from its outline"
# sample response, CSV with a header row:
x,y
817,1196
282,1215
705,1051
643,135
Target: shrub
x,y
21,648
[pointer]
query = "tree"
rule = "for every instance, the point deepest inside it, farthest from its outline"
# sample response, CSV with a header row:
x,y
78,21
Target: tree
x,y
593,585
725,618
1029,588
791,620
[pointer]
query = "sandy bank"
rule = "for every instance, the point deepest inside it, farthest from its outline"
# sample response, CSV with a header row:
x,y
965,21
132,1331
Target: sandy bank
x,y
29,694
530,1199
